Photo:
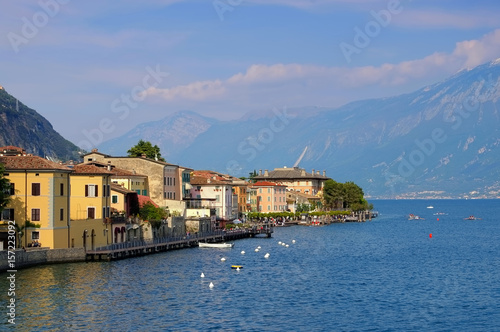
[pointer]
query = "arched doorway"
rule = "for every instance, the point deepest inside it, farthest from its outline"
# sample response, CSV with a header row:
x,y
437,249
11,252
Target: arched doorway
x,y
92,239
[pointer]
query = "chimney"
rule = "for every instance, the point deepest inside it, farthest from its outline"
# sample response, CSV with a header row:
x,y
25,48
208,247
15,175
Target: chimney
x,y
143,155
312,172
94,150
317,172
303,172
324,173
260,172
266,173
109,165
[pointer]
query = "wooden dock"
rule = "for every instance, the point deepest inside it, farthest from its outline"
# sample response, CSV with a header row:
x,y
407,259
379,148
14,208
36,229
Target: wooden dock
x,y
140,248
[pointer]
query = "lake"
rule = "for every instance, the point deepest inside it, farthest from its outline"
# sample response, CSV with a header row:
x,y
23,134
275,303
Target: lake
x,y
389,274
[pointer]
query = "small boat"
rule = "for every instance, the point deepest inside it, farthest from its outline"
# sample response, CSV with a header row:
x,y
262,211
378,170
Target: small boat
x,y
472,218
215,245
440,214
236,267
430,207
414,217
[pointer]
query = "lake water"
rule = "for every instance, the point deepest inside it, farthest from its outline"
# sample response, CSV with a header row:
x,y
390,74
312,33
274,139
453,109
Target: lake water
x,y
383,275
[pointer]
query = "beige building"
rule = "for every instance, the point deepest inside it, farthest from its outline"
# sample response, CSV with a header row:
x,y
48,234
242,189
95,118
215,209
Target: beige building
x,y
268,196
168,184
296,179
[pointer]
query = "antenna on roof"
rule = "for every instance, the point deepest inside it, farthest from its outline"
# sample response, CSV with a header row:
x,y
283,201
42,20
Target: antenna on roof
x,y
300,158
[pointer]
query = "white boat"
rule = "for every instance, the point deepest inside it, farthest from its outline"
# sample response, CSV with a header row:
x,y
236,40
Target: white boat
x,y
215,245
430,207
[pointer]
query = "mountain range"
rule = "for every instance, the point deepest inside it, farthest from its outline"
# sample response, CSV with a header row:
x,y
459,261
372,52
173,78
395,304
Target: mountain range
x,y
439,141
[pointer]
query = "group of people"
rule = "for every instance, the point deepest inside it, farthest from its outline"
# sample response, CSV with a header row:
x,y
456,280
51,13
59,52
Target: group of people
x,y
34,244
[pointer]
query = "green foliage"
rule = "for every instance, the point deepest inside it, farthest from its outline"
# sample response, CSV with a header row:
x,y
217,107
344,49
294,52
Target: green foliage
x,y
344,195
145,147
150,212
4,189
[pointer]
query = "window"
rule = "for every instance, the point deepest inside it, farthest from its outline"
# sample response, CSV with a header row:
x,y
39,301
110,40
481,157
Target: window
x,y
8,214
217,198
91,190
61,189
91,213
61,214
269,208
114,199
260,190
164,181
268,198
12,189
268,190
144,192
164,195
138,191
35,189
35,214
35,235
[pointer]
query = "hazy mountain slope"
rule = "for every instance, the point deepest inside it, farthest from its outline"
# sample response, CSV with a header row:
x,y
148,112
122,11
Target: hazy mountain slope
x,y
23,127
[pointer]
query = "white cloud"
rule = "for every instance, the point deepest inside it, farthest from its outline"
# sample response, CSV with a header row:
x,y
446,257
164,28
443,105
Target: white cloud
x,y
283,76
446,19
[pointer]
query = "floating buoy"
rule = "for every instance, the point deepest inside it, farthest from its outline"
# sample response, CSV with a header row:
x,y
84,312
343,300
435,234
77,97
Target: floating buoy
x,y
243,252
279,242
211,285
202,275
287,245
266,255
257,250
258,247
293,241
430,235
283,244
236,267
438,219
223,259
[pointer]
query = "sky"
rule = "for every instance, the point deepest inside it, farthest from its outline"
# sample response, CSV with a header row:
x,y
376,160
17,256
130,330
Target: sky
x,y
96,69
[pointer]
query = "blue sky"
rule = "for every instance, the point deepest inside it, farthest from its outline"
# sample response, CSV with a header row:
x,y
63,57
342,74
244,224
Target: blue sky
x,y
95,69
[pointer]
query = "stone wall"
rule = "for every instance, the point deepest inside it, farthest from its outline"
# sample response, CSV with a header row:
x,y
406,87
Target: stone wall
x,y
39,256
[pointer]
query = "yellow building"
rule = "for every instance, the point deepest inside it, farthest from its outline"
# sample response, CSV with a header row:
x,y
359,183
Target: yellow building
x,y
40,196
90,206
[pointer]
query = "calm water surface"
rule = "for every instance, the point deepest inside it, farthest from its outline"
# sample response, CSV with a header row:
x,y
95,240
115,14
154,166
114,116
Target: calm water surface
x,y
383,275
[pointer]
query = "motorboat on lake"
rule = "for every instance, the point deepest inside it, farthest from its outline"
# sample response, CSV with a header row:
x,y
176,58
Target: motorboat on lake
x,y
414,217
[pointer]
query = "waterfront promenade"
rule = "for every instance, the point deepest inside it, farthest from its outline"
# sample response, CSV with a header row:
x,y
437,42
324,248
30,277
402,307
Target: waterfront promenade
x,y
139,248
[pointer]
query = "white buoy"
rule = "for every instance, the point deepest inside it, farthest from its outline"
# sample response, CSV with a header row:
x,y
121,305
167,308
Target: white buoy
x,y
202,275
287,245
237,269
293,241
279,242
266,255
223,259
211,285
258,247
283,244
243,252
257,250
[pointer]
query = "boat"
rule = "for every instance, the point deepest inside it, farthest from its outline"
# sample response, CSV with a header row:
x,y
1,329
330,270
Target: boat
x,y
236,267
440,214
472,218
414,217
430,207
215,245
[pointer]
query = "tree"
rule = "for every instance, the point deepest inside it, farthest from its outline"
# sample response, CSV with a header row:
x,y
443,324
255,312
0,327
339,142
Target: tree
x,y
333,194
150,212
146,148
4,189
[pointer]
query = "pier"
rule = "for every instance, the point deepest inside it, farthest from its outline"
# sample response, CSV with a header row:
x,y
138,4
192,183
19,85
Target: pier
x,y
145,247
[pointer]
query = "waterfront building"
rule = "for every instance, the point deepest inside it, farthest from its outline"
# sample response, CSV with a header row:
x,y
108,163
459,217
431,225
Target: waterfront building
x,y
168,184
90,206
209,185
268,196
296,179
40,199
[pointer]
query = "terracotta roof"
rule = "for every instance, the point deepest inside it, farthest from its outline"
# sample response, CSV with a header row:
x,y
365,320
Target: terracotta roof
x,y
145,199
121,190
10,149
290,173
89,169
31,163
199,180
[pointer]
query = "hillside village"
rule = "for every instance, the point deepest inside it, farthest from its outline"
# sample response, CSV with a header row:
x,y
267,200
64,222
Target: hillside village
x,y
95,203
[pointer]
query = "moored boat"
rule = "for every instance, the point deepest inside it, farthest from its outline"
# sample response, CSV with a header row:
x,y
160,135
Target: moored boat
x,y
215,245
